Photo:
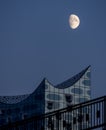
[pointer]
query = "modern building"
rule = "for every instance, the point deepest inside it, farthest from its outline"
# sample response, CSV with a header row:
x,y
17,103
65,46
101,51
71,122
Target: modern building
x,y
46,98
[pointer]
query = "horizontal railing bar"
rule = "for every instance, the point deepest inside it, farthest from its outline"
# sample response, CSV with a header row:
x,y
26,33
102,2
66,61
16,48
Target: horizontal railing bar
x,y
62,111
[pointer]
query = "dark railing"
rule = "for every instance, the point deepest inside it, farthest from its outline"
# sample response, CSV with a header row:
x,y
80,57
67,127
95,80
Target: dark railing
x,y
85,116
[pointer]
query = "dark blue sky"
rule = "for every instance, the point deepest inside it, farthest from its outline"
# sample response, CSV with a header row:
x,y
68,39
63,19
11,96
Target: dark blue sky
x,y
36,42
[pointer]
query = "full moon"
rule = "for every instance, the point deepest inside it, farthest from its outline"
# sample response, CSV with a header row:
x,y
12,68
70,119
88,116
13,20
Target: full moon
x,y
74,21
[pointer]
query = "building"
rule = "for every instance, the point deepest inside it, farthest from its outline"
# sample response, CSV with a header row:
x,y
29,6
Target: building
x,y
46,98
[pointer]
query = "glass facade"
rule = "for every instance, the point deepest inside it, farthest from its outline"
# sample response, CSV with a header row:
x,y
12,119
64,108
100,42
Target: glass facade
x,y
46,98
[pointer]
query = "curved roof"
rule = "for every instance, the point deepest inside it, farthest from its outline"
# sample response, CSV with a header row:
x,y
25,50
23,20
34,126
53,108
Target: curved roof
x,y
72,80
65,84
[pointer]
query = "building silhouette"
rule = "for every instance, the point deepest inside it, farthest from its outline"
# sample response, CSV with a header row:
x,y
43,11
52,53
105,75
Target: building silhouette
x,y
46,98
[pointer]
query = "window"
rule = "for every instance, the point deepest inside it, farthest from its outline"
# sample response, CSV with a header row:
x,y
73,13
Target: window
x,y
68,98
88,74
77,91
50,105
54,97
86,82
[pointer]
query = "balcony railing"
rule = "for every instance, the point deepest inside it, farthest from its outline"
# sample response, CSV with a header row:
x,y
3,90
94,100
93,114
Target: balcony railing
x,y
85,116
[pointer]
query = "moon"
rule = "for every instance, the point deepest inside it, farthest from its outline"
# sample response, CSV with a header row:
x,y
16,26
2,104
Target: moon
x,y
74,21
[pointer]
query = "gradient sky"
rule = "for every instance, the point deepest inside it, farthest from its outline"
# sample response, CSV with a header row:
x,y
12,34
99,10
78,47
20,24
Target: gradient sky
x,y
36,42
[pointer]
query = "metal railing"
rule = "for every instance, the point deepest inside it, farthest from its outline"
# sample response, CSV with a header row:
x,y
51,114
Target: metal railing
x,y
83,116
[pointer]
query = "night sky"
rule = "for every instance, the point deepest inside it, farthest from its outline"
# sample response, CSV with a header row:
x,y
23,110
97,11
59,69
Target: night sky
x,y
36,42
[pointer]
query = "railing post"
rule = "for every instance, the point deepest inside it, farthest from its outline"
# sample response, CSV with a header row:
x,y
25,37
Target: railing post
x,y
104,127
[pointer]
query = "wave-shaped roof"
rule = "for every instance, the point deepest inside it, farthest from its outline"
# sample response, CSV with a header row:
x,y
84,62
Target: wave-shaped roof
x,y
65,84
72,80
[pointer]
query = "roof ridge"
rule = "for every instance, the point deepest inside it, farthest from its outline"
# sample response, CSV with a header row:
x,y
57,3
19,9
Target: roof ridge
x,y
72,80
